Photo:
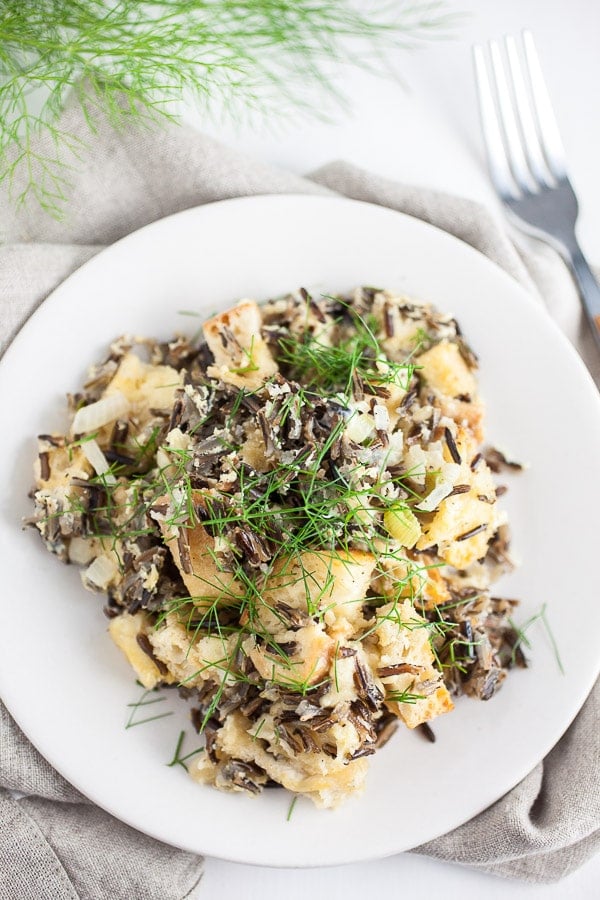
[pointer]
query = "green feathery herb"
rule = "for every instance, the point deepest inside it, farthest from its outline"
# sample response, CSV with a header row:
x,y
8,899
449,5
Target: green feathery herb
x,y
141,704
291,808
329,366
135,60
523,639
403,697
178,759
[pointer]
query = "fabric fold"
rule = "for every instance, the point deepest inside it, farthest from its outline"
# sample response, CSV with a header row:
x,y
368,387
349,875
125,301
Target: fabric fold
x,y
55,843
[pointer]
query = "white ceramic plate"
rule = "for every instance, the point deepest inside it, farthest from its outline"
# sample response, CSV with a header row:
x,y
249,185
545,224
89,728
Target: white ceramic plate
x,y
67,684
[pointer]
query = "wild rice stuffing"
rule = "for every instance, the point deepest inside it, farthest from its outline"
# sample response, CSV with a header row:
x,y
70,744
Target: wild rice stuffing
x,y
294,521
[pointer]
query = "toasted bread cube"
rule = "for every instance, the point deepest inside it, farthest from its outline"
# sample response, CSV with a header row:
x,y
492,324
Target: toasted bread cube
x,y
438,703
403,637
320,581
125,630
242,357
327,781
409,578
312,582
254,450
460,514
193,550
57,464
191,659
308,661
145,386
444,370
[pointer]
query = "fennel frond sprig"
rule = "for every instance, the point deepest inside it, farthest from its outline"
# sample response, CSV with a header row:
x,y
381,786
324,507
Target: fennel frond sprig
x,y
135,60
325,365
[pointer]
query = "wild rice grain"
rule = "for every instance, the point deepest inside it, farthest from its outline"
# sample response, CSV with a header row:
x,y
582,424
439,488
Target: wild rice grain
x,y
452,446
471,533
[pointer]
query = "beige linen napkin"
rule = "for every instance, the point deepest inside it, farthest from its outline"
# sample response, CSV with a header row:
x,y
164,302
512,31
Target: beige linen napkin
x,y
53,842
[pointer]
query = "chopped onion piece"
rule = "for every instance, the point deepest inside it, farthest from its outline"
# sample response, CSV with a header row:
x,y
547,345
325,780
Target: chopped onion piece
x,y
450,472
81,550
162,459
435,497
100,413
177,440
359,427
395,450
416,464
100,572
98,461
381,417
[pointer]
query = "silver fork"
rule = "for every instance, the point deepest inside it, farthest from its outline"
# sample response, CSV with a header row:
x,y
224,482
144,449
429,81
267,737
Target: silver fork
x,y
526,157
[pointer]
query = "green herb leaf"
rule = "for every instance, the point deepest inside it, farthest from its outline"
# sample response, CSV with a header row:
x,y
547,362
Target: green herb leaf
x,y
132,721
178,759
135,60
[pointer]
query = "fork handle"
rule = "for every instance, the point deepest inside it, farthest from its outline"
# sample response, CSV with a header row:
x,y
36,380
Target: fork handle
x,y
589,289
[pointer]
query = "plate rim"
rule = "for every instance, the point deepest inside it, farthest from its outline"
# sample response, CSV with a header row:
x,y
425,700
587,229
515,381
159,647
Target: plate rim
x,y
55,297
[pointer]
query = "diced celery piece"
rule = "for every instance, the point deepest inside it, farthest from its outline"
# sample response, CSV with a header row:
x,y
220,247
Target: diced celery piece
x,y
403,525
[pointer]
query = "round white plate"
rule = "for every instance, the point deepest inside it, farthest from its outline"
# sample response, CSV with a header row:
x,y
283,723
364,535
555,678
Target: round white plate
x,y
68,686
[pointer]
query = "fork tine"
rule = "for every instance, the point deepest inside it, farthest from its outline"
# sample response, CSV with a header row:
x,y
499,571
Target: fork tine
x,y
549,134
497,162
531,141
512,137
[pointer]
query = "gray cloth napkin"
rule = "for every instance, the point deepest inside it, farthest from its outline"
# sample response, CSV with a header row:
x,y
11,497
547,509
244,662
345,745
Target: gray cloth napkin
x,y
53,842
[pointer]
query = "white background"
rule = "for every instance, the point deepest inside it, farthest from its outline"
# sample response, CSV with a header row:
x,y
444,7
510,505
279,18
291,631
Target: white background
x,y
427,133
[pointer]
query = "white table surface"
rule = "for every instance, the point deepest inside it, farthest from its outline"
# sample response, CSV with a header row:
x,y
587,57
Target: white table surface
x,y
428,133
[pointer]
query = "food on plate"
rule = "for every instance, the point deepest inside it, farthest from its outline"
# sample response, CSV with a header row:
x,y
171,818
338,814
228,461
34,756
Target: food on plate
x,y
294,523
